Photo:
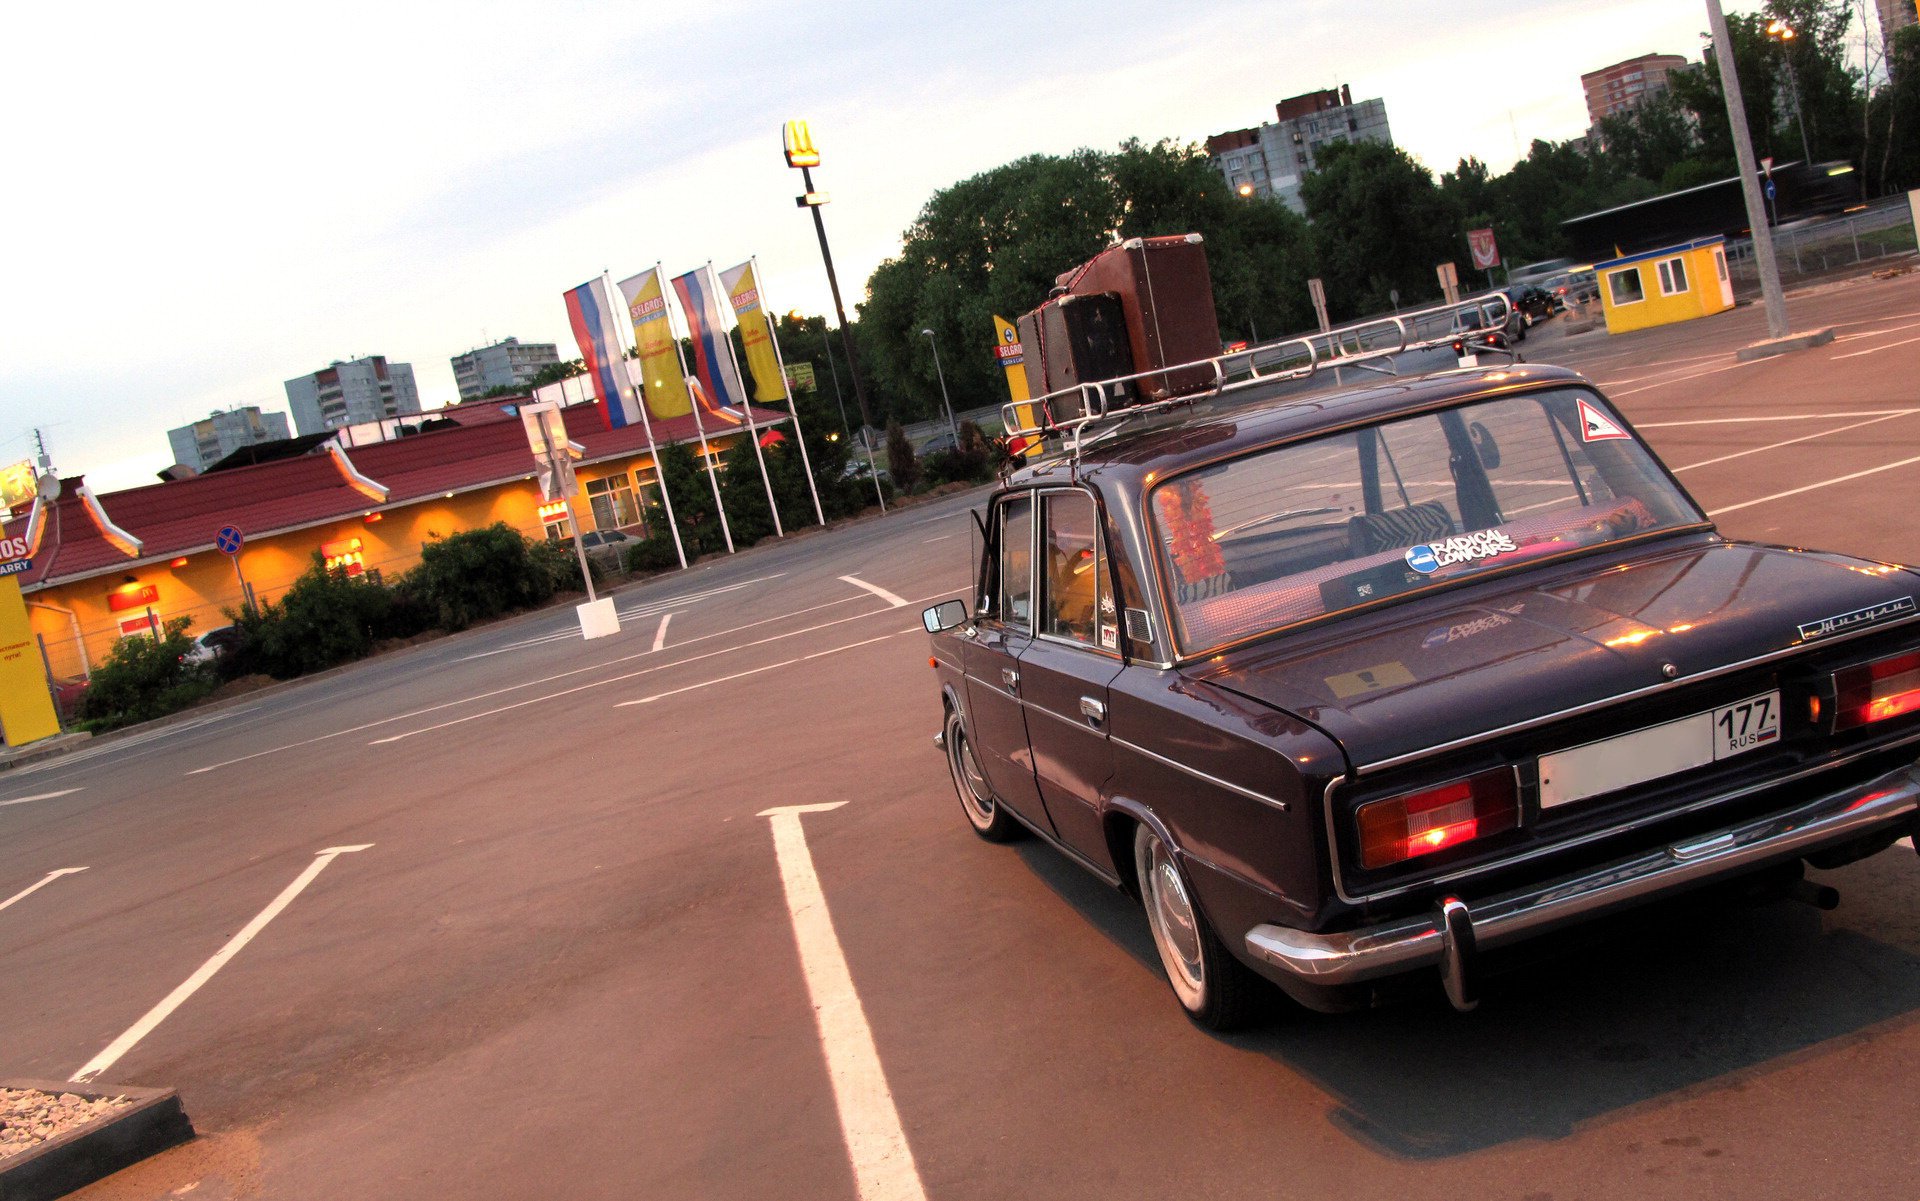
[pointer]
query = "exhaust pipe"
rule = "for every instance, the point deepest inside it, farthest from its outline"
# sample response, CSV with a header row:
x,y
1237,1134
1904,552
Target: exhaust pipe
x,y
1820,896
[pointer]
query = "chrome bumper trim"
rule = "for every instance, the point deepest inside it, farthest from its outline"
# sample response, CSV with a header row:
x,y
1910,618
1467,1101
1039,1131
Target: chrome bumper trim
x,y
1382,950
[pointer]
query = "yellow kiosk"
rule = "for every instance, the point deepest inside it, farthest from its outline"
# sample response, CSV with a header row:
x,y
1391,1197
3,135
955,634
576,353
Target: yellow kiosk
x,y
1658,287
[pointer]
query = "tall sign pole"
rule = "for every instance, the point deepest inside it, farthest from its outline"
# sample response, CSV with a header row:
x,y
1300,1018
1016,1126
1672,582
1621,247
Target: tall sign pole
x,y
1770,292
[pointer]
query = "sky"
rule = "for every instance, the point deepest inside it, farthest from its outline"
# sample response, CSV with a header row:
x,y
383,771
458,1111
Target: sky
x,y
208,199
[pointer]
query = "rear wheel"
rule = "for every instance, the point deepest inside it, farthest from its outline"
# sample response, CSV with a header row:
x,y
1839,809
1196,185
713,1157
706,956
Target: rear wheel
x,y
977,799
1217,990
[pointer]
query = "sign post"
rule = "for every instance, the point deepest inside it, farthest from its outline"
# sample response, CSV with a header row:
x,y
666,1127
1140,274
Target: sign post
x,y
229,541
553,461
1449,282
1318,292
26,703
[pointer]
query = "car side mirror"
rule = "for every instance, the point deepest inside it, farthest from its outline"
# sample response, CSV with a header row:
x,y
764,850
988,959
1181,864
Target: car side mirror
x,y
1484,445
944,616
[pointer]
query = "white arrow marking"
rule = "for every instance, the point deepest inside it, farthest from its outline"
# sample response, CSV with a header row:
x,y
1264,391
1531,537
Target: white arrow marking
x,y
883,1168
878,591
159,1013
38,796
49,878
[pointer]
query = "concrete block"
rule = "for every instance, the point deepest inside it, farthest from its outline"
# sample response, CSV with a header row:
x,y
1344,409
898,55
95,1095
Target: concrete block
x,y
1786,345
598,619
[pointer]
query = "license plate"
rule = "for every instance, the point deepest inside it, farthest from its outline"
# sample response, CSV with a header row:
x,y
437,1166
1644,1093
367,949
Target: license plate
x,y
1657,751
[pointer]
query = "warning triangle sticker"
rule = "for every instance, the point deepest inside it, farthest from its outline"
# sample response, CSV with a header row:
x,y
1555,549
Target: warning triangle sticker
x,y
1596,426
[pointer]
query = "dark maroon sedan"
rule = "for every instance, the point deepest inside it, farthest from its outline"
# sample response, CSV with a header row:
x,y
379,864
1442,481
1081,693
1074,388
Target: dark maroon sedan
x,y
1355,685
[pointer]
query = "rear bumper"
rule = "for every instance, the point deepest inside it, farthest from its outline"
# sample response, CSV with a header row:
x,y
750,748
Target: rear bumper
x,y
1449,936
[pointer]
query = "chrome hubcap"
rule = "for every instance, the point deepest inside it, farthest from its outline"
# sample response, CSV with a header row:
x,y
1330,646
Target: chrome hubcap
x,y
1170,915
975,793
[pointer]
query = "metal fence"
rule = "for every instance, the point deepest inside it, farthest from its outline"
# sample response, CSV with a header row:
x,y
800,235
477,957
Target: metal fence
x,y
1817,247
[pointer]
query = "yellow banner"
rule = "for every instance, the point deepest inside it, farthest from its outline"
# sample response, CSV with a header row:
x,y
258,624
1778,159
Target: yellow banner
x,y
666,384
26,707
1009,352
755,332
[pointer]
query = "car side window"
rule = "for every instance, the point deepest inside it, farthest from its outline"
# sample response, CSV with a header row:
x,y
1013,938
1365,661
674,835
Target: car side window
x,y
1015,596
1078,605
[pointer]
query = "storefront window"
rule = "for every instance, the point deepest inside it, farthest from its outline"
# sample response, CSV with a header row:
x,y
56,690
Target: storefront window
x,y
613,502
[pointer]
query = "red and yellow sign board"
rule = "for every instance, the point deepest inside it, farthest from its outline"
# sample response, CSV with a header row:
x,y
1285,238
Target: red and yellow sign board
x,y
1010,355
26,707
664,381
132,596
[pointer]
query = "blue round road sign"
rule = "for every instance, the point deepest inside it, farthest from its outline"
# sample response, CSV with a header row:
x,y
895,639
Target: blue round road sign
x,y
229,539
1423,560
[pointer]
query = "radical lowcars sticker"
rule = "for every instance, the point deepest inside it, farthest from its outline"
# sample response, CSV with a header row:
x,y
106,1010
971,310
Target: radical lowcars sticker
x,y
1430,557
1826,626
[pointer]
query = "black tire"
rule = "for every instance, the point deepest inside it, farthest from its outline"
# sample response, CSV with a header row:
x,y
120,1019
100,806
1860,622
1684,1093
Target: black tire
x,y
1217,991
984,812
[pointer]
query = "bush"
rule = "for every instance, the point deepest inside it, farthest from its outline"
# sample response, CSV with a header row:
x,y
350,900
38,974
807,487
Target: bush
x,y
902,464
144,678
561,565
478,574
326,618
654,552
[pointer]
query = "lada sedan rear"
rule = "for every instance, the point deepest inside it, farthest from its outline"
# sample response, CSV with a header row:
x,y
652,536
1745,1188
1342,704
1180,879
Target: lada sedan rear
x,y
1352,686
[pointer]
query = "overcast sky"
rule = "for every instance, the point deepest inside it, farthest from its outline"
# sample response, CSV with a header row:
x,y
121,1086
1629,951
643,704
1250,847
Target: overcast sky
x,y
205,200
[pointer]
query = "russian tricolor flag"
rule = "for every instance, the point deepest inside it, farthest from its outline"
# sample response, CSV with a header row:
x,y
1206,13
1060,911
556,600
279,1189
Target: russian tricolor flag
x,y
591,313
713,362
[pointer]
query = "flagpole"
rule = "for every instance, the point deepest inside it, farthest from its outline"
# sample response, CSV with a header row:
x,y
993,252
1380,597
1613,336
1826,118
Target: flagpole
x,y
694,397
646,423
793,406
746,400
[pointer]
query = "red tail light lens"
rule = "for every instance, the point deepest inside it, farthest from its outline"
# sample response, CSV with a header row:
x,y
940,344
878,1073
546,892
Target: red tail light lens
x,y
1420,823
1876,691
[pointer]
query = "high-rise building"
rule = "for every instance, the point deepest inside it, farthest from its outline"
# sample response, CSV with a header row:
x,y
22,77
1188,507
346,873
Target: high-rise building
x,y
1625,85
344,394
506,364
205,443
1895,15
1269,162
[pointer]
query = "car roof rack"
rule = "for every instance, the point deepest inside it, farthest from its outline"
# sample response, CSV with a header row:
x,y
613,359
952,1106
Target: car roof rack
x,y
1370,345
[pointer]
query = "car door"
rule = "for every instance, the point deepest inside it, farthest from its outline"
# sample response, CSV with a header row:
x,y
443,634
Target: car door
x,y
1002,631
1066,669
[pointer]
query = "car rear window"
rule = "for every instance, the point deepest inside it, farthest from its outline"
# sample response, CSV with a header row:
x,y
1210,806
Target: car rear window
x,y
1318,527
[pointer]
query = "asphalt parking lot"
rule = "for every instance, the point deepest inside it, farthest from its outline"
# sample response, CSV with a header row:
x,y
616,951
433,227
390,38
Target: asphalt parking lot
x,y
531,930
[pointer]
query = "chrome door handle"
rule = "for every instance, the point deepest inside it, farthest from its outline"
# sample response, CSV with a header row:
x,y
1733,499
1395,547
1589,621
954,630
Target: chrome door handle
x,y
1094,711
1010,678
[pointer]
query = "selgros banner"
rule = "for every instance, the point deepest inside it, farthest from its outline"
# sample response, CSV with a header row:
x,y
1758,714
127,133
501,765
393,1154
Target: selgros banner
x,y
712,361
589,309
666,384
756,331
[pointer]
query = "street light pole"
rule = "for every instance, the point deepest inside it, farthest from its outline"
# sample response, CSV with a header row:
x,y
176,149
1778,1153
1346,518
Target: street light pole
x,y
1780,31
800,153
1774,298
944,401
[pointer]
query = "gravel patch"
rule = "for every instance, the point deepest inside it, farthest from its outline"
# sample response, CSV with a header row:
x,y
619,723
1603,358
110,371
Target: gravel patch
x,y
29,1117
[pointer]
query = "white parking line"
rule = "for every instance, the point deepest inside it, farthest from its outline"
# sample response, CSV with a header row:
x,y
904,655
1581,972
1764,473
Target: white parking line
x,y
648,609
645,671
1840,479
38,796
1739,454
173,1000
878,591
559,675
660,635
1612,391
1877,349
45,880
883,1167
1665,425
754,671
941,538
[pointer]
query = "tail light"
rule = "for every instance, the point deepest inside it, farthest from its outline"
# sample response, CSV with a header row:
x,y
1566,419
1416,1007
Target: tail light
x,y
1876,691
1419,823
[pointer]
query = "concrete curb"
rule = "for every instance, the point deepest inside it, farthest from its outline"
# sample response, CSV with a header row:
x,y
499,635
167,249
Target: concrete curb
x,y
46,748
98,1149
1786,345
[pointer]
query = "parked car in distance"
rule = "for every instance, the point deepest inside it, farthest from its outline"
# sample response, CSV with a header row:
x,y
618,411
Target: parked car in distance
x,y
1358,689
211,645
1532,303
606,546
940,443
1573,287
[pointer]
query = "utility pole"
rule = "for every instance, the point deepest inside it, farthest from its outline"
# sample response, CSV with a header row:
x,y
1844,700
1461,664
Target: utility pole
x,y
1770,293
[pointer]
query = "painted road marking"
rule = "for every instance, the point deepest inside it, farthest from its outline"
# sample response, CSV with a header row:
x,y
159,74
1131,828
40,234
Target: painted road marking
x,y
646,609
645,671
559,675
941,538
878,591
1666,425
660,635
1738,454
45,880
1612,391
754,671
1841,479
1854,354
159,1013
883,1168
38,796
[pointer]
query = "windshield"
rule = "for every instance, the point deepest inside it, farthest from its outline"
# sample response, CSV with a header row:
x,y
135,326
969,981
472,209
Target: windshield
x,y
1317,527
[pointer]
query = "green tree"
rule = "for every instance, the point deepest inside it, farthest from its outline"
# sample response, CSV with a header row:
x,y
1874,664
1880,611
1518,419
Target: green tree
x,y
1650,139
902,464
553,373
1380,225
